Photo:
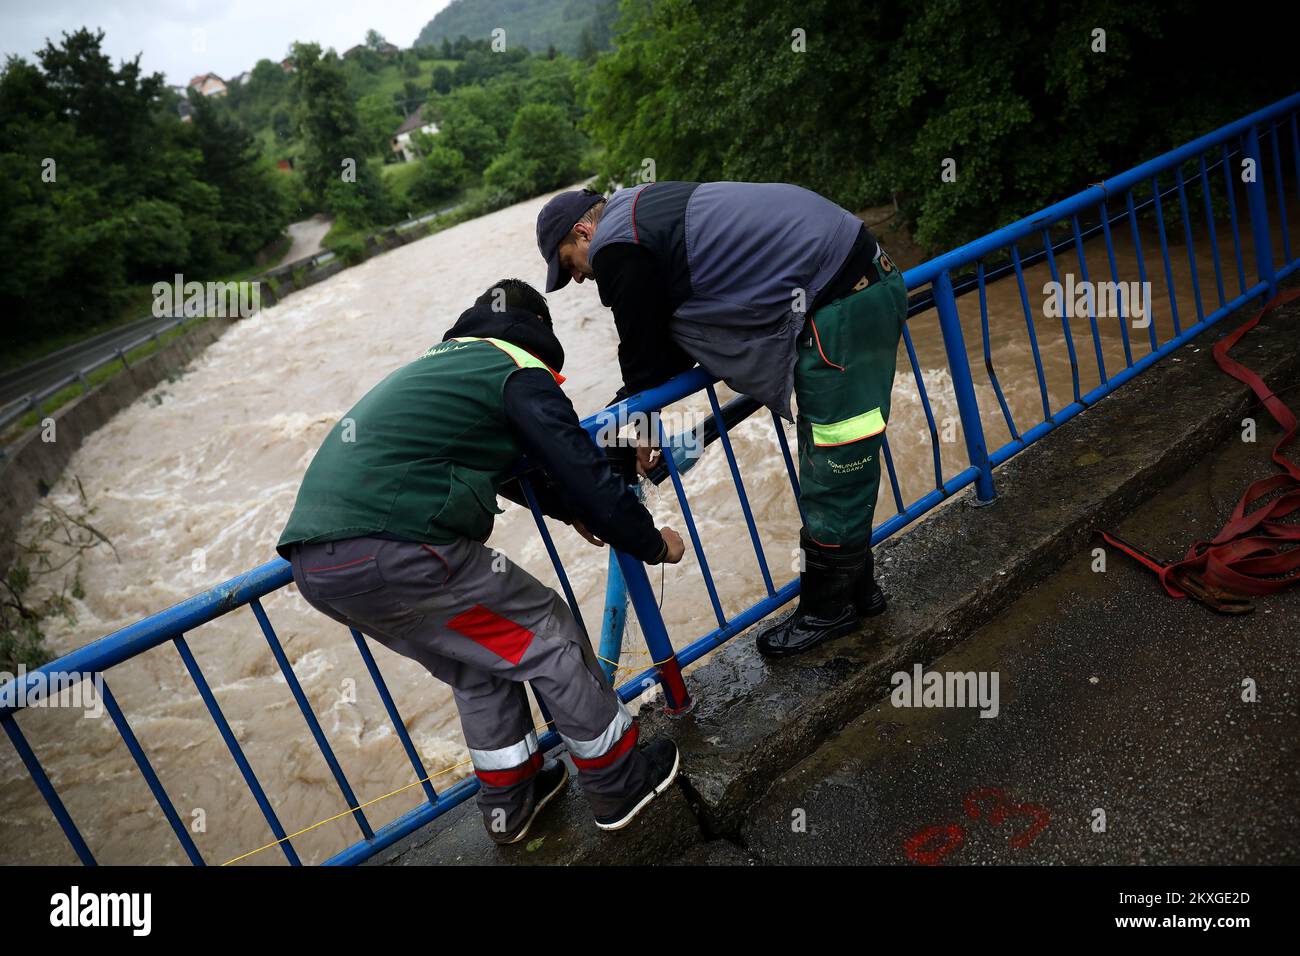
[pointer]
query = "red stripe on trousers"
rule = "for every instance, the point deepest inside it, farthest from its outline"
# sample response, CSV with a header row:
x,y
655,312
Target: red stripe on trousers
x,y
501,636
508,778
613,754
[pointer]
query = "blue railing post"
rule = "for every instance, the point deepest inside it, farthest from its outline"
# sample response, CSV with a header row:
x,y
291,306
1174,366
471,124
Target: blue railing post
x,y
611,625
1259,215
971,426
42,781
677,700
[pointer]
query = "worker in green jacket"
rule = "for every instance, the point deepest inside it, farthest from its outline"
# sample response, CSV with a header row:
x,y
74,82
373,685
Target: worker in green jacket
x,y
387,536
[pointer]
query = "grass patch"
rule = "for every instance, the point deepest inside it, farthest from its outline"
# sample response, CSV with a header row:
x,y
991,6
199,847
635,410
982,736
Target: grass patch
x,y
275,254
341,232
344,238
391,79
398,179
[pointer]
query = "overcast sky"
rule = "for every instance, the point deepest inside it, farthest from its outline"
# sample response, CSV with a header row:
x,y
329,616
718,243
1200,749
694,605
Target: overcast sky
x,y
233,34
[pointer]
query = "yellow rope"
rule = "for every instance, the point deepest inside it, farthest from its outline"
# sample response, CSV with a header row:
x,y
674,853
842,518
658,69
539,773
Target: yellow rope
x,y
344,813
623,667
446,770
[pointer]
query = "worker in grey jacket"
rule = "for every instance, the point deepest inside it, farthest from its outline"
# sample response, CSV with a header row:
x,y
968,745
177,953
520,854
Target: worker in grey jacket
x,y
773,289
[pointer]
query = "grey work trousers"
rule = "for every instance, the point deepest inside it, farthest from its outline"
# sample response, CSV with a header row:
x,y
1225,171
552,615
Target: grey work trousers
x,y
483,625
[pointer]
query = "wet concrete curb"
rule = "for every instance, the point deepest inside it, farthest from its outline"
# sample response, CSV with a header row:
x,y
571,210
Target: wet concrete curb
x,y
563,835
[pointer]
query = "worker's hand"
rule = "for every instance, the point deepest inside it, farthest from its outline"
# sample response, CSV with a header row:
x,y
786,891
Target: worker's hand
x,y
675,546
648,459
579,527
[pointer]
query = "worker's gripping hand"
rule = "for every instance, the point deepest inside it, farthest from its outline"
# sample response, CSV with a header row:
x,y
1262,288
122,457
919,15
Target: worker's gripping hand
x,y
581,528
648,459
673,542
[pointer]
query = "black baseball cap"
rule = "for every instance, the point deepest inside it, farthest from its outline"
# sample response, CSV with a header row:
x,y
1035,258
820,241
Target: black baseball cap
x,y
553,224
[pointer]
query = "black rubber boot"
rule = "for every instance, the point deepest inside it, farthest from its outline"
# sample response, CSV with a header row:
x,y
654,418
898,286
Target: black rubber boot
x,y
827,608
867,596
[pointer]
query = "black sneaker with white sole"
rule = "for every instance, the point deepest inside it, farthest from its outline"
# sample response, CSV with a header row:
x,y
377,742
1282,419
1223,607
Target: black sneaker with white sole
x,y
547,785
663,757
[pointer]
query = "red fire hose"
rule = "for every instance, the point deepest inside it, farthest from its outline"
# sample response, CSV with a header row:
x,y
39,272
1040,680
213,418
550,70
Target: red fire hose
x,y
1256,552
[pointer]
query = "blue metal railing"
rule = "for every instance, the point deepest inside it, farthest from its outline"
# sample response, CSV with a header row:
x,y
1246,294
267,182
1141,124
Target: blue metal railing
x,y
938,285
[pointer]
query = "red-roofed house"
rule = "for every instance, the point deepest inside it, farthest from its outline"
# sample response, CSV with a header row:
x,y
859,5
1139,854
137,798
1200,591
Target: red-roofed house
x,y
209,84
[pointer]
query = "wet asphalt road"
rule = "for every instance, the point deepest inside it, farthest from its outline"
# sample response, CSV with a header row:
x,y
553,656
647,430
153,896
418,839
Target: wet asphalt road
x,y
43,373
1113,697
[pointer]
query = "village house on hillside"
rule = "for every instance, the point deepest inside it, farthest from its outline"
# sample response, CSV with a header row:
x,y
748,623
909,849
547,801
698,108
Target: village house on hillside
x,y
414,123
384,49
208,84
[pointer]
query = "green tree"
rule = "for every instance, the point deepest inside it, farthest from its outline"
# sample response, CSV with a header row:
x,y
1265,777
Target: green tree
x,y
542,153
474,122
378,120
544,133
282,124
334,165
104,188
867,107
268,91
253,207
413,96
111,106
442,79
442,172
363,63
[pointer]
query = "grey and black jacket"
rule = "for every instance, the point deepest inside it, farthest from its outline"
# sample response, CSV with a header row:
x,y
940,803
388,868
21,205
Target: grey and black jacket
x,y
722,274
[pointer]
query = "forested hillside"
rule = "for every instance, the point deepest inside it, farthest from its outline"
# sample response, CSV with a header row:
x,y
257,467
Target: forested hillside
x,y
578,27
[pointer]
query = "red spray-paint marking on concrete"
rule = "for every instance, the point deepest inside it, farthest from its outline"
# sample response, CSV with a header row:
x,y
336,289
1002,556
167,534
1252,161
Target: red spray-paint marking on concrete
x,y
1002,809
953,837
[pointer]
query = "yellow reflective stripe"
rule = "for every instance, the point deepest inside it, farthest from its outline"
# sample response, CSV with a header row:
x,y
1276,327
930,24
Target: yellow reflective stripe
x,y
850,430
522,357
